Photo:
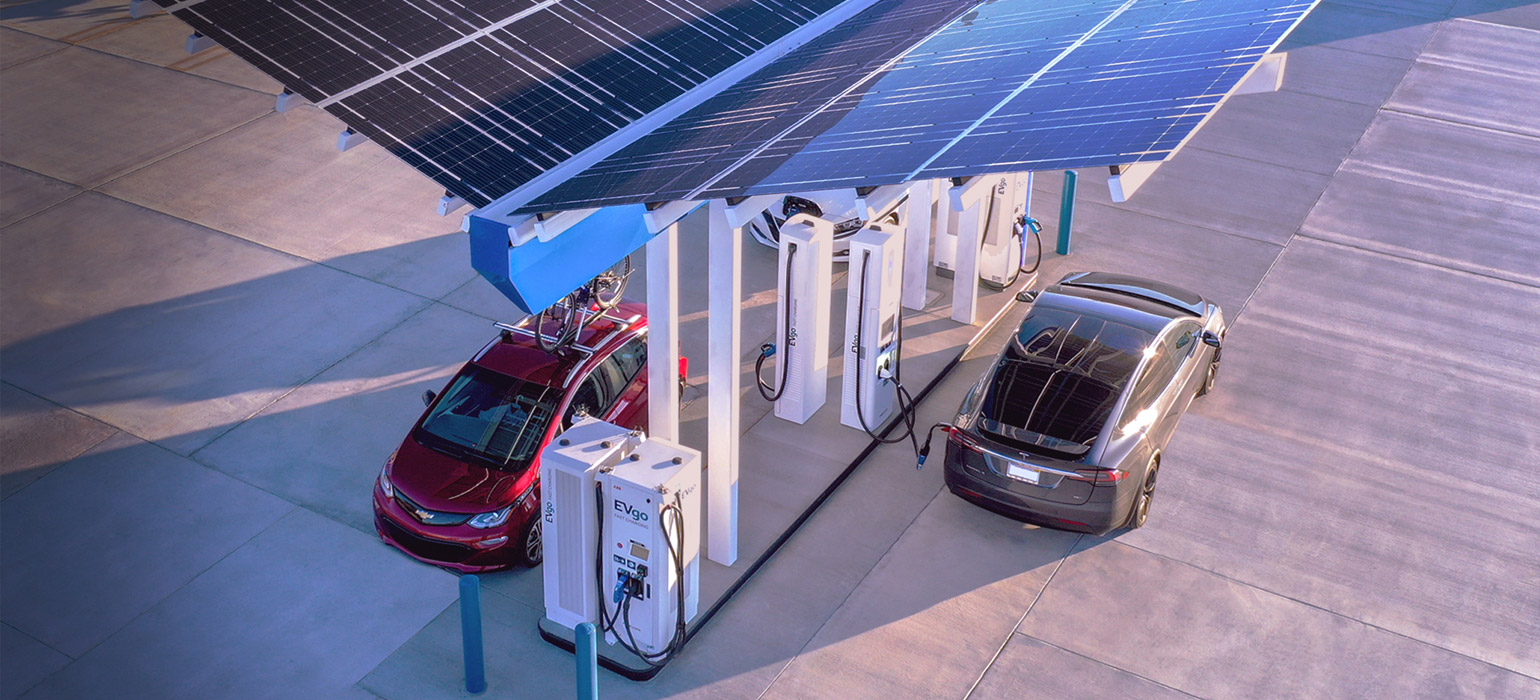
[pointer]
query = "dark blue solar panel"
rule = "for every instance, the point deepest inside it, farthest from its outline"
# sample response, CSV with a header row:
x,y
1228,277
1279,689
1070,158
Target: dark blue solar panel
x,y
1131,93
712,137
1006,86
499,106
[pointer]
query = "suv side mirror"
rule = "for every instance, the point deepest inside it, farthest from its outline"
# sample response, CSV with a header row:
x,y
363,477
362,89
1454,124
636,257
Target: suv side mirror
x,y
1211,339
427,397
1026,296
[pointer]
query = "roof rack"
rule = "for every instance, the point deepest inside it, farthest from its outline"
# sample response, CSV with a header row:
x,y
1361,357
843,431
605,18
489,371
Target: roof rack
x,y
620,326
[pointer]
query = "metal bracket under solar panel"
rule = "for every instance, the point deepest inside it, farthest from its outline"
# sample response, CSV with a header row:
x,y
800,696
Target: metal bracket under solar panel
x,y
1267,76
197,42
349,138
286,101
664,215
746,209
448,203
551,226
1125,179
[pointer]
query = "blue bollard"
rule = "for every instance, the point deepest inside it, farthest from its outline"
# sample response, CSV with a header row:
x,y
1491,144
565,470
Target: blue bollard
x,y
587,663
470,630
1066,212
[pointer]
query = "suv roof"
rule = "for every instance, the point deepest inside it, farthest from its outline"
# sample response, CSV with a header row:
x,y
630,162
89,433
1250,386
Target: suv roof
x,y
518,355
1150,290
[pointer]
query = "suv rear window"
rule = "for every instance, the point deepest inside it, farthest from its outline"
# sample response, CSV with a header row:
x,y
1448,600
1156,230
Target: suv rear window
x,y
1059,380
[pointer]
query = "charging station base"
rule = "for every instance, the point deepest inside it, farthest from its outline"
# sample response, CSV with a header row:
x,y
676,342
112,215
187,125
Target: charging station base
x,y
611,656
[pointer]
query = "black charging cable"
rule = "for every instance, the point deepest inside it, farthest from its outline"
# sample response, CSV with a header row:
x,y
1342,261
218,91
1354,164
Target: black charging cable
x,y
906,405
768,349
654,660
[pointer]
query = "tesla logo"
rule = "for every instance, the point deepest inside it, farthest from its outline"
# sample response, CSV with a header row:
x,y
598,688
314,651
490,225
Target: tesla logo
x,y
632,513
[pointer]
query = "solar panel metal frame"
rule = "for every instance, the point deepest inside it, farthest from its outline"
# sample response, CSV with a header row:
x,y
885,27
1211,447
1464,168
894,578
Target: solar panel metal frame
x,y
683,160
485,95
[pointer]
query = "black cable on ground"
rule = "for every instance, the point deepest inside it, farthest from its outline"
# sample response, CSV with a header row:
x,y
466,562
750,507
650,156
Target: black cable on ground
x,y
797,524
833,486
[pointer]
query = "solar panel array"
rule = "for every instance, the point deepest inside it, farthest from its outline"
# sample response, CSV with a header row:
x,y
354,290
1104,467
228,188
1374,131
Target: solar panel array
x,y
483,95
916,89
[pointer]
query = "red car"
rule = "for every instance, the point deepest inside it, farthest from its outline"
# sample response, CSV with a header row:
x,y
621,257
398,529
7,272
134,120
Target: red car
x,y
463,489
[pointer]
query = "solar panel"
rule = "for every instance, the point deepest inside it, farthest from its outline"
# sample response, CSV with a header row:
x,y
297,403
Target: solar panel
x,y
962,89
482,95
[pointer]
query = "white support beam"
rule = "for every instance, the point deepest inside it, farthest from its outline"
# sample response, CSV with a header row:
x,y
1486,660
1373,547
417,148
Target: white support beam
x,y
1267,76
917,229
139,9
724,313
740,214
968,200
880,200
1126,179
197,42
448,203
659,218
663,334
943,225
349,138
286,101
518,234
551,226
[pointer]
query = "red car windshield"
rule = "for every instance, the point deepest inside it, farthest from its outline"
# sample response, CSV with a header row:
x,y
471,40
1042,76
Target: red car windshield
x,y
490,417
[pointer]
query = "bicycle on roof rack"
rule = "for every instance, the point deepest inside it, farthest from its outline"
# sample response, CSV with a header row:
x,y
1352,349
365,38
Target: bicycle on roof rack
x,y
577,310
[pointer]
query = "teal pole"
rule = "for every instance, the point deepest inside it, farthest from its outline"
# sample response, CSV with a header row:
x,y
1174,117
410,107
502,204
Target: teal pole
x,y
587,663
1066,212
470,632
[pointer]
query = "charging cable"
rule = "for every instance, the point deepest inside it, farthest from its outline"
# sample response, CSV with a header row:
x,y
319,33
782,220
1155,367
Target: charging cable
x,y
906,405
788,340
626,592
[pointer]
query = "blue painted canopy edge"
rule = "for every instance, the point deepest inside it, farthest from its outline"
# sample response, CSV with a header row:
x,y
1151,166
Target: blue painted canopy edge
x,y
539,273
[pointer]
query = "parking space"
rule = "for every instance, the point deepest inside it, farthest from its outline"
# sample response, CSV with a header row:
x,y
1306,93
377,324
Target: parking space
x,y
217,326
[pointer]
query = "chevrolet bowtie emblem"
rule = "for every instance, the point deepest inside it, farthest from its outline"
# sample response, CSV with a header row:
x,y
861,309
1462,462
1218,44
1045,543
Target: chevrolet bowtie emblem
x,y
422,515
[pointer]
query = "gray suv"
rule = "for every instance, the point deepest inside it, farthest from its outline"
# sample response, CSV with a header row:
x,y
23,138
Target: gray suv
x,y
1067,427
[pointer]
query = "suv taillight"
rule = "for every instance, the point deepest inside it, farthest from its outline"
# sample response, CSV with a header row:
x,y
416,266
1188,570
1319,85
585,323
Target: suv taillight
x,y
1100,477
957,437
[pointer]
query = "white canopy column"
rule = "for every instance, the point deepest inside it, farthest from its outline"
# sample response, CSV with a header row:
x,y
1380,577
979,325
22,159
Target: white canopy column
x,y
724,314
917,229
967,200
663,334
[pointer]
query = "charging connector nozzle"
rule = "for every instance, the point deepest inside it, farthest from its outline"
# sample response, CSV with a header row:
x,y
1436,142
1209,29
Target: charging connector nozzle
x,y
925,448
622,585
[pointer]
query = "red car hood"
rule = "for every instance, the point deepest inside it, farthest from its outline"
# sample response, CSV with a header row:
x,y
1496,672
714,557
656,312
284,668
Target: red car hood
x,y
439,482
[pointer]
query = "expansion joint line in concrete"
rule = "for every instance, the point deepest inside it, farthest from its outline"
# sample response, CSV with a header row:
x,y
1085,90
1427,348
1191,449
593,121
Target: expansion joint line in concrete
x,y
1119,669
1384,104
1457,123
1328,611
1444,264
1021,620
414,314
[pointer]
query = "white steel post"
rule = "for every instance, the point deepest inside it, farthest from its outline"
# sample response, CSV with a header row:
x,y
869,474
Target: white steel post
x,y
965,278
917,220
724,311
663,334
